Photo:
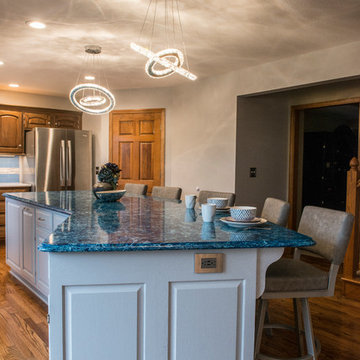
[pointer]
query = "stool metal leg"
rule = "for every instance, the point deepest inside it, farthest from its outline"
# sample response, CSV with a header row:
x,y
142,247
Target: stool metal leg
x,y
262,309
309,334
298,326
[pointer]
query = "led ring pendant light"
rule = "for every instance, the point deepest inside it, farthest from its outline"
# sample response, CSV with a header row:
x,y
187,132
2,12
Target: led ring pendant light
x,y
170,60
92,98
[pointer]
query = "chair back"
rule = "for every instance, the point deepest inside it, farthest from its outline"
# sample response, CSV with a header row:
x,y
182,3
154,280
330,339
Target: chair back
x,y
331,229
277,211
136,189
205,194
167,192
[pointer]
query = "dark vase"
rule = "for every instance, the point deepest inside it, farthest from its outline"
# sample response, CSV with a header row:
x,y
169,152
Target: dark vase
x,y
101,186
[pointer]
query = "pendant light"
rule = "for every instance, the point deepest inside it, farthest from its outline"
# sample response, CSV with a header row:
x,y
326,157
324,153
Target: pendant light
x,y
92,96
172,59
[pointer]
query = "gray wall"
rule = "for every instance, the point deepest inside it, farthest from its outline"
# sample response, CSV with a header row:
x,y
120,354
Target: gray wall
x,y
262,138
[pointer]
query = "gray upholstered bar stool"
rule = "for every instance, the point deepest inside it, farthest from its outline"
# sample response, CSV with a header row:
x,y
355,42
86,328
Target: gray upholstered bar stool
x,y
205,194
296,279
275,210
167,192
136,189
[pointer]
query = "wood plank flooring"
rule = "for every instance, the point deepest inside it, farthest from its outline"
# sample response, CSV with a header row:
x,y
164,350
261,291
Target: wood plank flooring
x,y
24,332
23,325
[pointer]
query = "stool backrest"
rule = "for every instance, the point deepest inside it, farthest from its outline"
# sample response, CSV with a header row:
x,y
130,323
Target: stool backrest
x,y
277,211
136,189
331,229
205,194
167,192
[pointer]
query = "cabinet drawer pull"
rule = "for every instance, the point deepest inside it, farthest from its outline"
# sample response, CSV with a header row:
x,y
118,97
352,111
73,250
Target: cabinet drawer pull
x,y
41,219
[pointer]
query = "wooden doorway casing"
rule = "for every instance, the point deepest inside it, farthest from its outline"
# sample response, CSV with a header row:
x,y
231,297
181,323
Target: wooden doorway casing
x,y
137,145
294,150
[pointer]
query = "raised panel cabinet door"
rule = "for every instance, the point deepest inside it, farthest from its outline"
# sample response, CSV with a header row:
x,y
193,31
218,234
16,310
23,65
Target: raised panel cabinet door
x,y
137,146
119,314
13,234
32,120
28,244
67,120
11,132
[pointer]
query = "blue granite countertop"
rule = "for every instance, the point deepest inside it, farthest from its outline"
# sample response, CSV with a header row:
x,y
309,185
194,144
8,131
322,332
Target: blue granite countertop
x,y
146,223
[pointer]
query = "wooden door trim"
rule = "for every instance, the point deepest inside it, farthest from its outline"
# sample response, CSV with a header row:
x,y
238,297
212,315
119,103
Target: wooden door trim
x,y
162,135
294,149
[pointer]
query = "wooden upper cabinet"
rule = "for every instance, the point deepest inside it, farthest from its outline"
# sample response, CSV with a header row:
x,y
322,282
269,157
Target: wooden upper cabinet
x,y
15,119
11,132
32,120
67,120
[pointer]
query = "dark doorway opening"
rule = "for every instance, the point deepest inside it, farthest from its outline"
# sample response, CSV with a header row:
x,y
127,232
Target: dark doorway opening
x,y
330,141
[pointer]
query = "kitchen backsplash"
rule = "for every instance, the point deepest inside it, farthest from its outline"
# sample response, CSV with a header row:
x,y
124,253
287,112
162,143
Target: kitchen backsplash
x,y
9,169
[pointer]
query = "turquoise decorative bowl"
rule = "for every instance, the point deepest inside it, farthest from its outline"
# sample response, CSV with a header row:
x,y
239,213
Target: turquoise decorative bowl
x,y
110,195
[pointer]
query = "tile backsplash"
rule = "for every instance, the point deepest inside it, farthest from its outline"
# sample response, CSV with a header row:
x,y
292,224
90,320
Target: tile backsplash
x,y
9,169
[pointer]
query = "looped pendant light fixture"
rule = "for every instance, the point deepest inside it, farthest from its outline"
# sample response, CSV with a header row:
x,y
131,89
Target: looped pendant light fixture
x,y
171,60
92,97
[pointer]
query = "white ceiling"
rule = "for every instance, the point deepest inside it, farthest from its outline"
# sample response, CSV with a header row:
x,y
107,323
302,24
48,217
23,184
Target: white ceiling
x,y
220,35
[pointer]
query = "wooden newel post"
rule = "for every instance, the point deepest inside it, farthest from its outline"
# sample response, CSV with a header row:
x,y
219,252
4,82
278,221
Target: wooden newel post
x,y
351,261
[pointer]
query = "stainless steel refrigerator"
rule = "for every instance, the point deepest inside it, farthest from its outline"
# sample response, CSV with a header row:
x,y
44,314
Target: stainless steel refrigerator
x,y
58,159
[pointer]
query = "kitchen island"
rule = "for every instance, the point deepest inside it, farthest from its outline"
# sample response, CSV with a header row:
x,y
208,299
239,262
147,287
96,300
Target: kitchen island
x,y
147,279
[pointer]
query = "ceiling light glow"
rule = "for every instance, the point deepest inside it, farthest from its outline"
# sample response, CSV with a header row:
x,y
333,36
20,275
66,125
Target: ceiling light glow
x,y
90,97
99,96
1,62
36,24
13,85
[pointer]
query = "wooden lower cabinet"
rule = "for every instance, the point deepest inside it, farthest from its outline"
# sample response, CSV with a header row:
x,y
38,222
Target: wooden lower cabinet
x,y
2,206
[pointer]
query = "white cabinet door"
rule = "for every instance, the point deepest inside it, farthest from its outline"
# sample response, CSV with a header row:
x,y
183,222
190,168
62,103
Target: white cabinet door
x,y
13,231
28,244
42,272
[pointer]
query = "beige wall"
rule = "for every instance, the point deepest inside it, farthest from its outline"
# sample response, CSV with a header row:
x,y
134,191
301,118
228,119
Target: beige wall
x,y
42,101
201,119
201,116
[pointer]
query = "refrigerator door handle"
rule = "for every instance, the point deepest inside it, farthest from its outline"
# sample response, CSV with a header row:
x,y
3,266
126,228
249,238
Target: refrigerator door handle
x,y
62,163
69,163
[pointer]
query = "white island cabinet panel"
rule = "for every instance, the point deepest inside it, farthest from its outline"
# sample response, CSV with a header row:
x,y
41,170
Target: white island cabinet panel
x,y
91,311
42,263
27,227
28,244
203,312
13,235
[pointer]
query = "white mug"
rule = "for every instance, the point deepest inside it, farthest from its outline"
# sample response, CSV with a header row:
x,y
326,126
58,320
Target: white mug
x,y
208,212
190,201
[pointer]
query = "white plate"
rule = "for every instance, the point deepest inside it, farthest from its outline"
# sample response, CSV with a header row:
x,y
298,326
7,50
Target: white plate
x,y
234,223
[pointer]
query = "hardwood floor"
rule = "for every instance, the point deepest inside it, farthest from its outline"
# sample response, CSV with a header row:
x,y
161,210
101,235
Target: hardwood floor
x,y
23,325
24,332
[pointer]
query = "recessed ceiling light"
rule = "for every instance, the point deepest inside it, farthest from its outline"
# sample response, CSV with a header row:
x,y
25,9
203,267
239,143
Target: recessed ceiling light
x,y
14,85
89,77
35,24
1,62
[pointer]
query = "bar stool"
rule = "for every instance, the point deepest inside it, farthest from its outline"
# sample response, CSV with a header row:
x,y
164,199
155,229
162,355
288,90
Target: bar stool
x,y
275,210
205,194
167,192
136,189
296,279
